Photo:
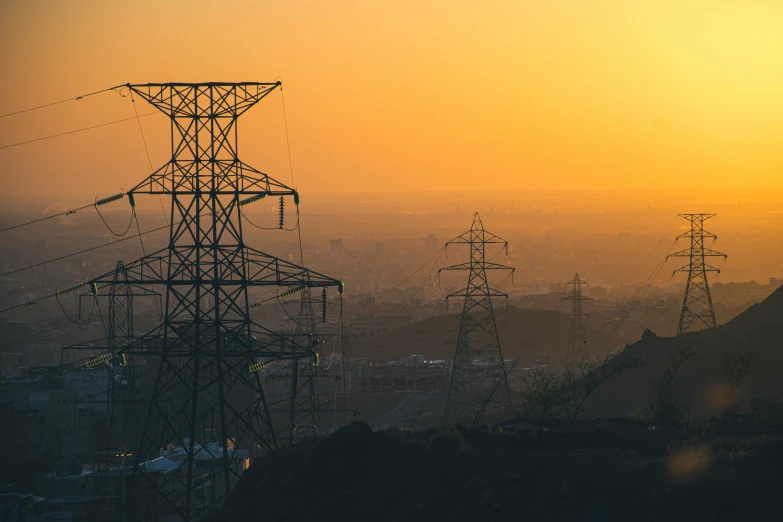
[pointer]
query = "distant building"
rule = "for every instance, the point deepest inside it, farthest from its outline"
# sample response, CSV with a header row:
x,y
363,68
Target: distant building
x,y
46,353
40,421
92,386
10,363
409,374
336,249
433,244
22,507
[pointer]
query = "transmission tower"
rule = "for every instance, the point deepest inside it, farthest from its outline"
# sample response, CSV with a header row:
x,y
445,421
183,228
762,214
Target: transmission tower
x,y
309,382
207,399
478,381
303,397
577,338
119,395
697,303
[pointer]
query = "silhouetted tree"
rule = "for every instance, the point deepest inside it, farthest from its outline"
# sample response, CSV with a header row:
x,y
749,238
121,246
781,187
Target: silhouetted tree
x,y
667,410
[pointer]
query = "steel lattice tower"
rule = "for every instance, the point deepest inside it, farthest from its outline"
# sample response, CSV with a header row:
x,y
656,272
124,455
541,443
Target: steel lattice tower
x,y
697,303
304,382
120,396
309,382
206,399
577,337
478,381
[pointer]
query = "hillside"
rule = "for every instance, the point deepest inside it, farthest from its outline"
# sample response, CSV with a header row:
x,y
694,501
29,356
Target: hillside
x,y
523,333
618,473
700,382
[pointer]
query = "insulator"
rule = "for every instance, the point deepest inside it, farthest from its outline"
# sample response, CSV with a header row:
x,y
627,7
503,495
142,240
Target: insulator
x,y
323,304
71,288
252,199
260,365
316,359
291,291
109,199
93,288
282,211
98,359
340,287
296,198
132,199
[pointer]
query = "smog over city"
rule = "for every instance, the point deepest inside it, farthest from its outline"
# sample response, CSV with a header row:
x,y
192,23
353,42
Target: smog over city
x,y
394,261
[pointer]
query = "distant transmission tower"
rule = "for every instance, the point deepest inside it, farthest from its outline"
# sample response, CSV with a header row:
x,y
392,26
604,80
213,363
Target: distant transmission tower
x,y
697,303
577,338
312,382
208,404
303,406
478,382
120,394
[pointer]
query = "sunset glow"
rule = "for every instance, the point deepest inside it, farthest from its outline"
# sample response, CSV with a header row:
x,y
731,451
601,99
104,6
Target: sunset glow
x,y
409,95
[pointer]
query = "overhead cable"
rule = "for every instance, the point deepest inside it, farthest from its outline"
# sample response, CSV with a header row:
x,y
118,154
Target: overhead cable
x,y
57,102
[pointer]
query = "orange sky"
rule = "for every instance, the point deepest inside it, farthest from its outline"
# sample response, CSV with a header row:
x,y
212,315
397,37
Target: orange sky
x,y
407,95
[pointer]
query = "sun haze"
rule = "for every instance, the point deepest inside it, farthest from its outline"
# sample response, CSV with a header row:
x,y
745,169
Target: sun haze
x,y
407,96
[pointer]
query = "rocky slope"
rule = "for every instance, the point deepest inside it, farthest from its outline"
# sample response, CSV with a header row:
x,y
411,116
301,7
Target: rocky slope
x,y
701,384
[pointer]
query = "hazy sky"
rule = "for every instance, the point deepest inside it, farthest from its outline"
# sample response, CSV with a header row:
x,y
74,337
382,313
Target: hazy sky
x,y
406,95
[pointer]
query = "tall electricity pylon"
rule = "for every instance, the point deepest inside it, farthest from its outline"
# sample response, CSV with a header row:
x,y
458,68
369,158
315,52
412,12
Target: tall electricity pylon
x,y
478,381
697,303
207,400
577,338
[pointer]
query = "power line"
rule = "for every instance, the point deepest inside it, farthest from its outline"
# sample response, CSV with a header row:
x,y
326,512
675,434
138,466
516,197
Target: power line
x,y
110,229
75,131
149,160
98,203
659,241
57,102
81,252
427,262
66,213
259,227
287,141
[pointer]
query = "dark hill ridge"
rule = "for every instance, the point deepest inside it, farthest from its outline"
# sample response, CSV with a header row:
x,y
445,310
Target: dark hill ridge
x,y
758,329
360,475
523,333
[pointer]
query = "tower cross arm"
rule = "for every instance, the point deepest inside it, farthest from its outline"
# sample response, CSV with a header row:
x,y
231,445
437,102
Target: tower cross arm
x,y
234,178
180,100
467,266
267,270
145,271
706,267
266,343
465,292
470,237
706,252
701,234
